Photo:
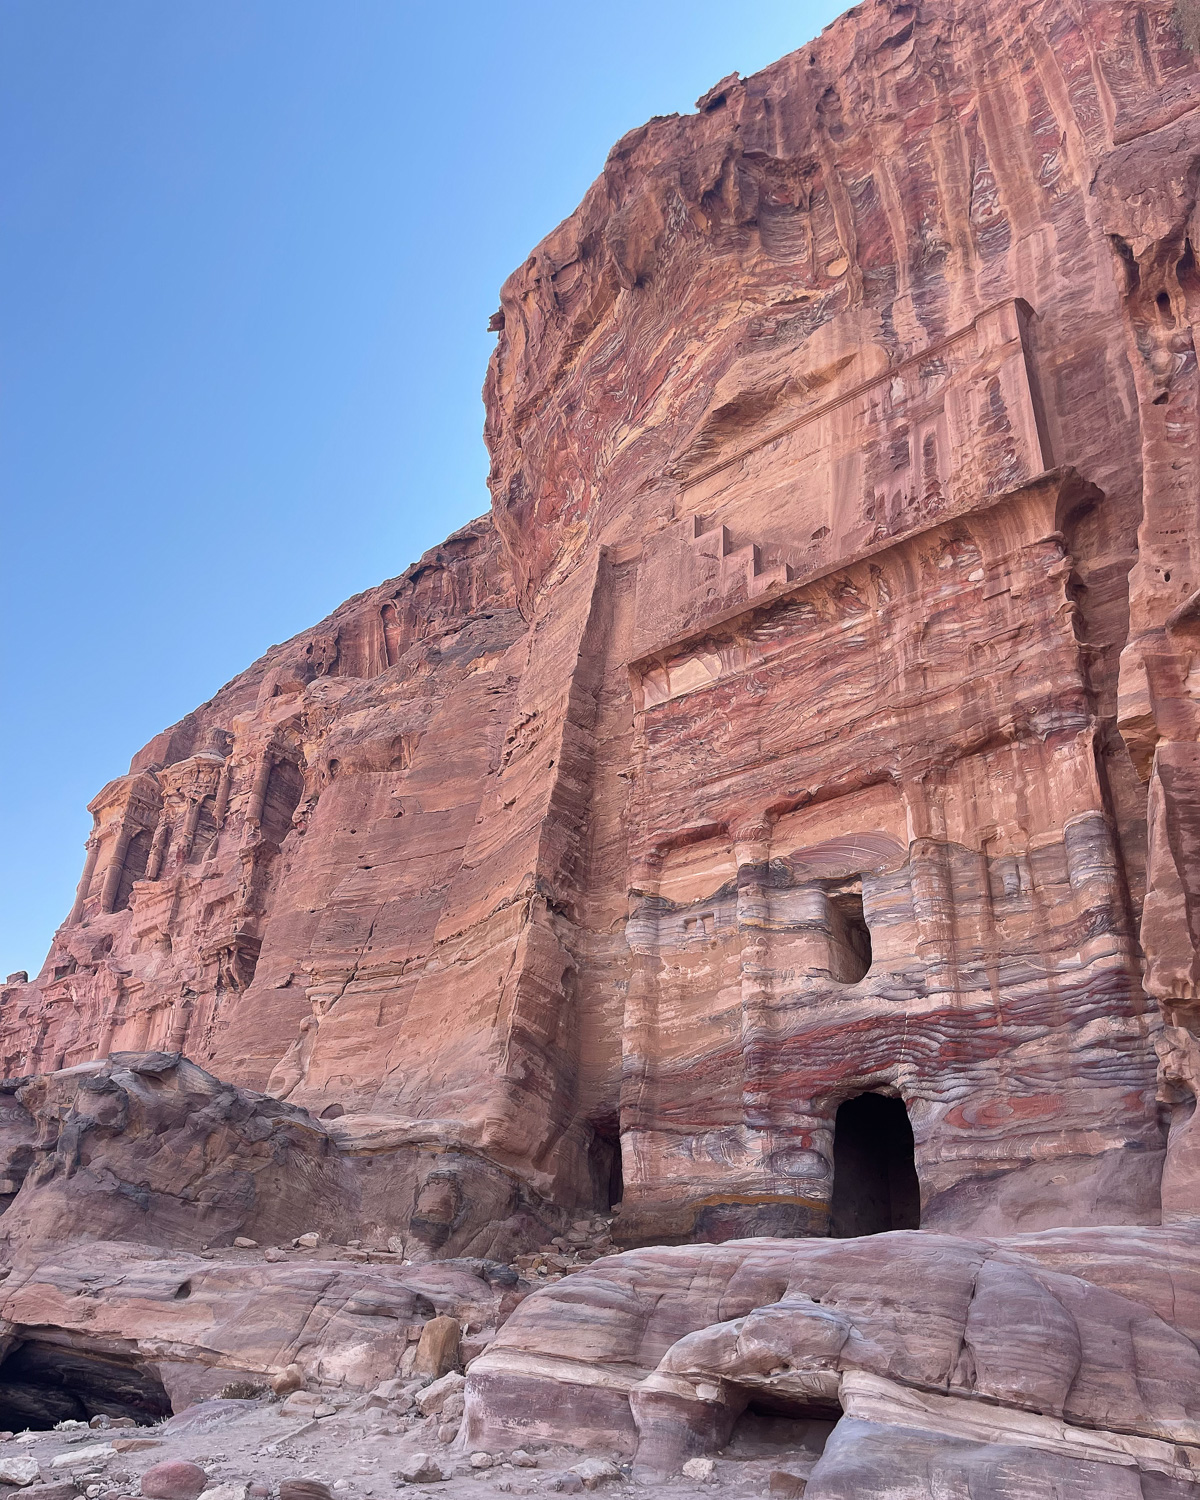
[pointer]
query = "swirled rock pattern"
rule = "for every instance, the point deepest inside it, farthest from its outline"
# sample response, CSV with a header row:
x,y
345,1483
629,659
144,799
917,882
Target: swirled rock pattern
x,y
990,1344
781,815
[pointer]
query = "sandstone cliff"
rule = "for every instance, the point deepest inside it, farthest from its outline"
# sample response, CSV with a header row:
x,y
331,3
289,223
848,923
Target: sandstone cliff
x,y
812,721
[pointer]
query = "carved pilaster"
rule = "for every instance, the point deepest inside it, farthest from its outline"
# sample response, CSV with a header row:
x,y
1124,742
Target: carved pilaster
x,y
932,888
191,822
158,848
221,805
85,880
258,789
116,866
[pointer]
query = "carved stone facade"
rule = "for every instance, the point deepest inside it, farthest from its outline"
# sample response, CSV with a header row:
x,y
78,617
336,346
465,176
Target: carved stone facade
x,y
815,715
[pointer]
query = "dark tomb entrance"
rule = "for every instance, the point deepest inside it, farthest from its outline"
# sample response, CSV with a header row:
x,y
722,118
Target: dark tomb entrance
x,y
604,1165
43,1383
875,1184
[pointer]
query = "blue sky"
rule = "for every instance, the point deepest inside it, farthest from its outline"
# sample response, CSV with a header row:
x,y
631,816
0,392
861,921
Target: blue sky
x,y
248,253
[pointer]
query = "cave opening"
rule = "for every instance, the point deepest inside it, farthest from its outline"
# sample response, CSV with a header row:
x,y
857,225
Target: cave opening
x,y
875,1186
604,1165
43,1383
787,1431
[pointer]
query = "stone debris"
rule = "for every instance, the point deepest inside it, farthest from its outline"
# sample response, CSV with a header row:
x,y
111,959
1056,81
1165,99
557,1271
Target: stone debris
x,y
588,1240
596,1471
95,1453
15,1469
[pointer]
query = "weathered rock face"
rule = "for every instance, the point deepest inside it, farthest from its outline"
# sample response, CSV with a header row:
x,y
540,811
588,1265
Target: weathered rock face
x,y
150,1149
186,1328
779,817
812,717
661,1353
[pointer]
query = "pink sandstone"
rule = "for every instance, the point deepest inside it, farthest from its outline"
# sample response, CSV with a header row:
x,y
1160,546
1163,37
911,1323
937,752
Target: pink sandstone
x,y
779,817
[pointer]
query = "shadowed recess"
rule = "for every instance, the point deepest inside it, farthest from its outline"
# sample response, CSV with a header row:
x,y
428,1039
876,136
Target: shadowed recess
x,y
42,1384
875,1185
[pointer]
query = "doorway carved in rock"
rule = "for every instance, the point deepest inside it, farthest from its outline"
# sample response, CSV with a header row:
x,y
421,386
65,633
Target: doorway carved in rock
x,y
875,1185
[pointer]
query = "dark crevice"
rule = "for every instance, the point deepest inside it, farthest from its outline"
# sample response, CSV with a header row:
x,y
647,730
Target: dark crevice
x,y
779,1429
137,856
285,787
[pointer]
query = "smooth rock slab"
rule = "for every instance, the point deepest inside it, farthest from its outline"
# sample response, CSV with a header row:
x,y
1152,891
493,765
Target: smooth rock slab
x,y
95,1453
864,1462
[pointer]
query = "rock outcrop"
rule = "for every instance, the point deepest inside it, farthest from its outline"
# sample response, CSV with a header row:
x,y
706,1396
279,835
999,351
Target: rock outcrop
x,y
186,1327
149,1148
660,1353
779,817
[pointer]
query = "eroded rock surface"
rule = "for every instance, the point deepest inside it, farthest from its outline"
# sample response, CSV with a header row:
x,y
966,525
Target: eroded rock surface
x,y
148,1147
779,817
963,1345
810,717
194,1327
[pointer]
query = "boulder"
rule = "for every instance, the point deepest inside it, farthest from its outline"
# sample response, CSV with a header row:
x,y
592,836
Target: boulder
x,y
93,1453
437,1350
434,1396
420,1468
19,1469
174,1479
596,1471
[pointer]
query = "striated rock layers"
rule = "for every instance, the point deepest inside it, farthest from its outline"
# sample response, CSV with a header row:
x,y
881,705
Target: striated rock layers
x,y
780,816
998,1373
